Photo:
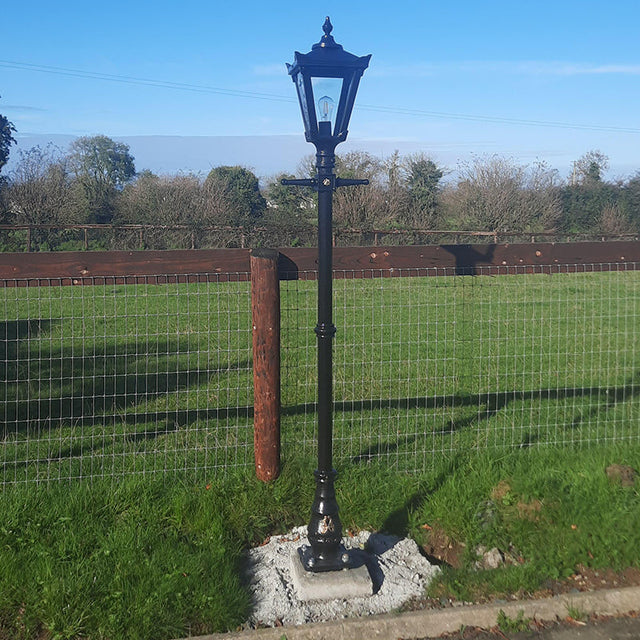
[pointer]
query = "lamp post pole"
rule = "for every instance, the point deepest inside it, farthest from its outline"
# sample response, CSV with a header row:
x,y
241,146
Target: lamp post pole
x,y
325,528
327,60
326,552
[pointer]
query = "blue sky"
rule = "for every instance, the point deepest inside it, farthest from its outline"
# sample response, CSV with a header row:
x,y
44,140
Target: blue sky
x,y
528,80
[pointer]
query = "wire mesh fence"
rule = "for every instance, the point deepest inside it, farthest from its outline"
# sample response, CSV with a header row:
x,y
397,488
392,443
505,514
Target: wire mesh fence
x,y
106,379
114,379
429,366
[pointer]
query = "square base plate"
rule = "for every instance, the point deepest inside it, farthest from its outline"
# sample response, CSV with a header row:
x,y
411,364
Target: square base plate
x,y
329,585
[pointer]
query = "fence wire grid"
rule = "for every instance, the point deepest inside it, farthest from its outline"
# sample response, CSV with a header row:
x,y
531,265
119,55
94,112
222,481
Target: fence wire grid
x,y
426,366
107,380
111,379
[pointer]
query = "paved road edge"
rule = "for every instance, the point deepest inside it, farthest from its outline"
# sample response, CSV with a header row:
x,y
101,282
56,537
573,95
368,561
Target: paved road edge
x,y
430,622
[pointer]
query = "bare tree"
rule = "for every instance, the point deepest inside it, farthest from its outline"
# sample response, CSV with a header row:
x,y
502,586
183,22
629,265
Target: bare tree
x,y
174,200
589,167
613,221
41,189
401,191
361,206
493,193
160,200
542,201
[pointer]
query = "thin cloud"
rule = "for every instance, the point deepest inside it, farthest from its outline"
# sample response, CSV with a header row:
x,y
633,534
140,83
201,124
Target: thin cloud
x,y
533,67
21,108
577,69
270,69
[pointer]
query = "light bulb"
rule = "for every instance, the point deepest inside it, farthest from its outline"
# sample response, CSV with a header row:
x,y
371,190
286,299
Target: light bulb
x,y
325,108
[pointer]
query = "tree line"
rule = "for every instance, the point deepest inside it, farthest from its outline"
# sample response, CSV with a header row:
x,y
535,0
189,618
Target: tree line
x,y
95,182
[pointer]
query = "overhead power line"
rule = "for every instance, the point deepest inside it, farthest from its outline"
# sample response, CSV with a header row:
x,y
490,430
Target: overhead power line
x,y
163,84
499,120
197,88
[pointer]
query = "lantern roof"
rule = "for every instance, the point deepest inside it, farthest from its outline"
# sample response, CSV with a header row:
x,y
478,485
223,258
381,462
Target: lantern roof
x,y
327,58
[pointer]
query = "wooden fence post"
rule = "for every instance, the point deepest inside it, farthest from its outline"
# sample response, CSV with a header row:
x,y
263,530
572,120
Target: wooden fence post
x,y
265,310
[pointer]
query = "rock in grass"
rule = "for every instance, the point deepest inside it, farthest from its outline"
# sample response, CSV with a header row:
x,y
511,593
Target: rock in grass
x,y
489,559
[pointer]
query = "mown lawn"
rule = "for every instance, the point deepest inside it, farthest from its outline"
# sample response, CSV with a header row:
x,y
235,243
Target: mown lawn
x,y
144,559
132,407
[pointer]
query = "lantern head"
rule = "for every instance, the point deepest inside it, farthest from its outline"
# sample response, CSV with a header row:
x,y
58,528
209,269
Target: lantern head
x,y
327,80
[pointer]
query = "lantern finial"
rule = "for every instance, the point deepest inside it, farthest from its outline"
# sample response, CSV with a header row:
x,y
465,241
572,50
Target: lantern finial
x,y
327,41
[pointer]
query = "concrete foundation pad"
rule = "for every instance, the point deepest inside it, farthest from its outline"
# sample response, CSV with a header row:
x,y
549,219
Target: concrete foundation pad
x,y
330,585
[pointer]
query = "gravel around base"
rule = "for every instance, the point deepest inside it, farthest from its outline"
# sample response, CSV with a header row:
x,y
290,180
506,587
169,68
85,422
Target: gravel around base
x,y
397,568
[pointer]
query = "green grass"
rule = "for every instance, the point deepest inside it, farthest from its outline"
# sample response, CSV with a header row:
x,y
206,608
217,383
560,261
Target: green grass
x,y
519,624
445,389
153,559
140,560
579,517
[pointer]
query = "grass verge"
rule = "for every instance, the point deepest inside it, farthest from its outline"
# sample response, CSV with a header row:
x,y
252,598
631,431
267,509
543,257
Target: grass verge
x,y
145,559
138,560
549,512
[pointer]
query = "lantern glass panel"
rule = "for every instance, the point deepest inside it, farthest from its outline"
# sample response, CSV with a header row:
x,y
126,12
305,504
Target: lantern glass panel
x,y
326,95
303,98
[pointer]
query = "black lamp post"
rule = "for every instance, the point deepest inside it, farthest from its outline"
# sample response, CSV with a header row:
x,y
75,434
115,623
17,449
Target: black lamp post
x,y
327,80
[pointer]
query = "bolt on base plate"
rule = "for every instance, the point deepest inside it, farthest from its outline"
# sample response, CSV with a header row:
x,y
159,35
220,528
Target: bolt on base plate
x,y
342,559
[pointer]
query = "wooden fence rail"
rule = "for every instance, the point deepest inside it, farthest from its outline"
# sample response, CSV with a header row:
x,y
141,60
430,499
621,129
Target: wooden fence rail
x,y
129,267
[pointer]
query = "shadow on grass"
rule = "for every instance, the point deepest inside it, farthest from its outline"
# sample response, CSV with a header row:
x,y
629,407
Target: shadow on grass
x,y
609,398
489,404
101,382
13,333
398,521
